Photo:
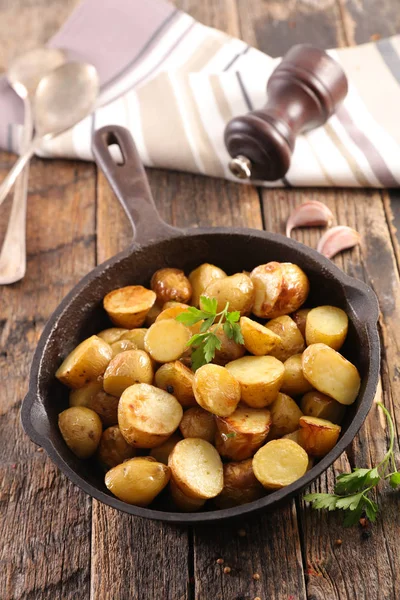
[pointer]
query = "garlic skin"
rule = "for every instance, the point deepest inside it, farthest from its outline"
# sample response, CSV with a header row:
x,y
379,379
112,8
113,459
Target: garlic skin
x,y
309,214
337,239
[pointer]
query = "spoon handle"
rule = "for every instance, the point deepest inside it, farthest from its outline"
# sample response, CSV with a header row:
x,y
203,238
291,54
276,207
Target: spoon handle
x,y
12,175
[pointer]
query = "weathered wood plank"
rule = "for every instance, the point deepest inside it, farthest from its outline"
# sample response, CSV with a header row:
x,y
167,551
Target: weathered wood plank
x,y
366,20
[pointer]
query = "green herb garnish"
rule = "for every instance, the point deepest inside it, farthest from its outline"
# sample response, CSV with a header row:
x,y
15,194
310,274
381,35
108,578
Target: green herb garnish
x,y
207,342
351,493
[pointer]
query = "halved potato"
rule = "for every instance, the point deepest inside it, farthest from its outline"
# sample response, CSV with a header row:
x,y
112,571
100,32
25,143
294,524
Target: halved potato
x,y
167,340
81,429
295,436
300,318
237,289
198,423
216,390
85,363
171,284
176,379
122,346
330,373
294,291
152,315
292,342
162,452
128,306
173,311
182,502
281,288
196,468
136,336
294,382
83,395
279,463
268,281
258,340
318,436
240,485
137,480
327,325
285,415
316,404
113,449
230,350
111,335
172,303
201,277
260,378
127,368
242,433
147,416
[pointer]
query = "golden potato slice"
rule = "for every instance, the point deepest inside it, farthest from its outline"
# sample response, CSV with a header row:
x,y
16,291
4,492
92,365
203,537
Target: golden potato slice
x,y
128,306
113,449
147,416
279,463
285,415
152,315
295,436
294,382
176,379
216,390
136,336
81,429
85,363
162,452
182,502
198,423
327,325
230,350
268,281
92,396
318,436
201,277
260,378
171,284
173,311
196,468
240,485
137,480
316,404
258,340
300,318
330,373
127,368
292,342
167,340
237,289
242,433
122,346
111,335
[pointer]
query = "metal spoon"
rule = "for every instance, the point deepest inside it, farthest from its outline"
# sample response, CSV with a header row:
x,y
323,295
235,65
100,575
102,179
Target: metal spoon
x,y
24,75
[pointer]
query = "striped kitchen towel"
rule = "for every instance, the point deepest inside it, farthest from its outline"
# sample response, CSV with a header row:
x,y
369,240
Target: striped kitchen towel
x,y
175,83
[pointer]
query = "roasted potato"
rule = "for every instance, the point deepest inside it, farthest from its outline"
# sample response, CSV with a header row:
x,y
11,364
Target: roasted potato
x,y
285,415
258,340
171,284
330,373
260,378
327,325
85,363
174,303
237,290
242,433
279,463
295,436
152,315
196,468
127,368
201,277
182,502
294,382
136,336
300,318
292,342
138,480
94,397
83,395
176,379
240,485
198,423
81,429
162,452
316,404
111,335
318,436
280,288
230,350
173,311
122,346
147,416
113,449
128,306
167,340
216,390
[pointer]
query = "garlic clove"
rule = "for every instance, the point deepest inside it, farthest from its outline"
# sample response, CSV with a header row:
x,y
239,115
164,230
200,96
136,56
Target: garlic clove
x,y
310,213
337,239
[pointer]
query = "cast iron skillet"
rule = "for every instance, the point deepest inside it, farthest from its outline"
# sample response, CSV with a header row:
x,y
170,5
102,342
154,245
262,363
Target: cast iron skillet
x,y
157,245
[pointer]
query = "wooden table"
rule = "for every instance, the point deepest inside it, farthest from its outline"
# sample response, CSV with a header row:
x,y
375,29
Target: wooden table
x,y
56,542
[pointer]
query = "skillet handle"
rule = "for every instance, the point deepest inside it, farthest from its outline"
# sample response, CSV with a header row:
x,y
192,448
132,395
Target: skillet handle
x,y
129,183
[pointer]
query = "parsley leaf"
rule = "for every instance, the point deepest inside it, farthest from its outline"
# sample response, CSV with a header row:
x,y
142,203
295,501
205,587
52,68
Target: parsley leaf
x,y
209,304
327,501
394,480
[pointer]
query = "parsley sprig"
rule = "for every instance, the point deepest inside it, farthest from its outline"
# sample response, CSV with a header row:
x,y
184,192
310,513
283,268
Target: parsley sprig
x,y
352,490
207,342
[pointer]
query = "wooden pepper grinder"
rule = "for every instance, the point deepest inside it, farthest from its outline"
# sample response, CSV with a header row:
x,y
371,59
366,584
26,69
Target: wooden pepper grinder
x,y
303,92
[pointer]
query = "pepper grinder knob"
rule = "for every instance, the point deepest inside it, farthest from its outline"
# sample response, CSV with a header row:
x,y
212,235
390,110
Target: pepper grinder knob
x,y
303,91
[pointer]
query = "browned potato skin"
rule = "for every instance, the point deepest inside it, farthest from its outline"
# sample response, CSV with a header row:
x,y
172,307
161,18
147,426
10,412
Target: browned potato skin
x,y
292,342
138,480
106,406
294,292
233,441
230,350
136,336
127,368
183,502
216,390
316,404
237,289
121,346
152,315
258,340
113,449
318,436
268,281
83,395
294,382
173,311
128,306
201,277
285,416
85,363
198,423
81,429
177,379
111,335
171,284
300,318
161,453
240,485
